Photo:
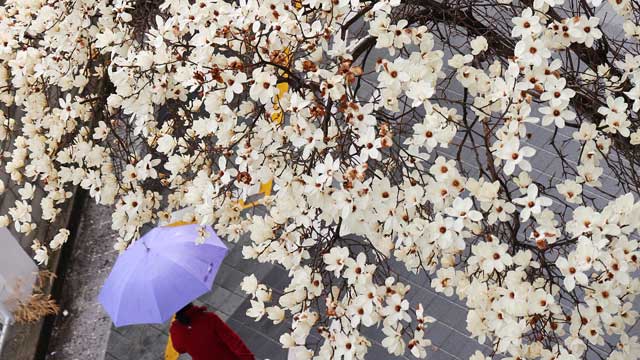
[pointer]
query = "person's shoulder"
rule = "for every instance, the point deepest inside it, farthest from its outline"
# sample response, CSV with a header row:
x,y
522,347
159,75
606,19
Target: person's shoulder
x,y
212,315
197,308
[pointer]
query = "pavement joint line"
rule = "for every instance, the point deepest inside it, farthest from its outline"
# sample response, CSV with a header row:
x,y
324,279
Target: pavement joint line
x,y
585,189
569,160
412,282
461,307
534,170
452,329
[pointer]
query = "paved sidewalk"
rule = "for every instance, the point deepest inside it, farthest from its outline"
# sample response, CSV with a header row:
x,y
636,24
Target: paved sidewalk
x,y
84,332
448,335
228,301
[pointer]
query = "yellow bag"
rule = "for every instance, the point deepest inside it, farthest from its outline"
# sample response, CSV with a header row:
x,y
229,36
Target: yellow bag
x,y
169,352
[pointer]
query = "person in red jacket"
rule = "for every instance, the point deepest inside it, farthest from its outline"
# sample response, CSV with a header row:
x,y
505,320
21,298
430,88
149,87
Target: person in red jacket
x,y
204,336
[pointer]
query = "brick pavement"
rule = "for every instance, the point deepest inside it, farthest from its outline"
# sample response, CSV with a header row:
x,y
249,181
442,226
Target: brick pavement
x,y
448,335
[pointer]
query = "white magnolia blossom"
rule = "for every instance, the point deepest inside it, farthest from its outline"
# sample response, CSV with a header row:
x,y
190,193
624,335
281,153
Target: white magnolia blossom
x,y
384,151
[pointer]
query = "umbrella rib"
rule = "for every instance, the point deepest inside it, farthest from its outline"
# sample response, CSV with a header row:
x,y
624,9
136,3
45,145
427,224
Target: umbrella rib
x,y
127,283
203,286
122,290
186,269
204,256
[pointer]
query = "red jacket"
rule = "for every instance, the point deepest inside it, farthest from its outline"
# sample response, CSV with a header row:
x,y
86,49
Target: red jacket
x,y
208,338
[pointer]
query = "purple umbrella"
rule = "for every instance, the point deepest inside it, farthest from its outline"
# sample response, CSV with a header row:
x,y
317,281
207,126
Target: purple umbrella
x,y
159,274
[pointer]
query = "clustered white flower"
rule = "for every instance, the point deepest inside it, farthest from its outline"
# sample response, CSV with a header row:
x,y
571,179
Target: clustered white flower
x,y
188,108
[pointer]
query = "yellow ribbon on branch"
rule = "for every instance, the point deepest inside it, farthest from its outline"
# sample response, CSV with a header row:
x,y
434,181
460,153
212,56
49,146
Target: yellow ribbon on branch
x,y
265,188
277,116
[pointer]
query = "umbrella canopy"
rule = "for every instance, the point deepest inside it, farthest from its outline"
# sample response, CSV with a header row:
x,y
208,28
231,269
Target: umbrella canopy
x,y
159,274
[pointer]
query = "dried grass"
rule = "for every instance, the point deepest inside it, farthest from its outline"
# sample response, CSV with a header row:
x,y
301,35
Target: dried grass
x,y
39,304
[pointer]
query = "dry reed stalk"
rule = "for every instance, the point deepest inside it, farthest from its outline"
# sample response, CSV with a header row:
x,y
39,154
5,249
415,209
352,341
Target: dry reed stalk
x,y
39,304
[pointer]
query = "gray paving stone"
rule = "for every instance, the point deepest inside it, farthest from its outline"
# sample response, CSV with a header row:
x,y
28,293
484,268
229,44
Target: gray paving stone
x,y
234,256
152,346
251,267
268,329
438,333
110,357
223,316
373,334
277,278
456,342
439,354
240,313
253,339
377,352
470,347
230,278
215,299
164,328
128,332
271,350
149,335
232,302
229,302
448,312
422,296
118,346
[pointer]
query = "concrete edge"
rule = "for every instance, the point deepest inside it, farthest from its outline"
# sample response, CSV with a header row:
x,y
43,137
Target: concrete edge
x,y
26,341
